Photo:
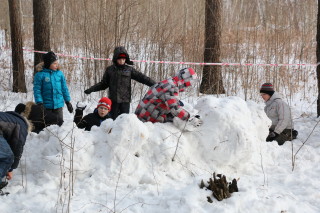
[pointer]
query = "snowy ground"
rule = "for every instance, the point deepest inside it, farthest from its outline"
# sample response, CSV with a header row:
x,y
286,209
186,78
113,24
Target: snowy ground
x,y
126,165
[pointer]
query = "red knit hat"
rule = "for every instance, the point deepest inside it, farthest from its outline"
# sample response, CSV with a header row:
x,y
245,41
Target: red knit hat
x,y
106,102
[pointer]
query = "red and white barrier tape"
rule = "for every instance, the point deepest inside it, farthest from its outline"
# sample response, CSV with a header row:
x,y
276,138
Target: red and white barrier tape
x,y
177,62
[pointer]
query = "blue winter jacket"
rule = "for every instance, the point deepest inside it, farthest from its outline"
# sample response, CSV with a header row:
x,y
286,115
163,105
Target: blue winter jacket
x,y
50,88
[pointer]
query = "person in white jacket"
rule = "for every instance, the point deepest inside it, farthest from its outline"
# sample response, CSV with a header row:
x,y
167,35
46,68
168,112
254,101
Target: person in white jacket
x,y
279,112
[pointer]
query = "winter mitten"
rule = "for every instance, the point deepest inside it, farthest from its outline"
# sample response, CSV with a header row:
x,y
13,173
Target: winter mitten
x,y
195,120
190,125
272,136
69,106
87,91
81,106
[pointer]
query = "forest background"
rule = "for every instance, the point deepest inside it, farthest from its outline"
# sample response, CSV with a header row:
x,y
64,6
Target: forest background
x,y
263,32
257,32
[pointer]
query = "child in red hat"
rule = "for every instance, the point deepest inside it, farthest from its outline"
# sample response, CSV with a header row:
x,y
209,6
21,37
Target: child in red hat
x,y
99,114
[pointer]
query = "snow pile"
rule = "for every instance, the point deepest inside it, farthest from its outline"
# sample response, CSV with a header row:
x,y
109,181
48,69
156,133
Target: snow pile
x,y
130,166
234,130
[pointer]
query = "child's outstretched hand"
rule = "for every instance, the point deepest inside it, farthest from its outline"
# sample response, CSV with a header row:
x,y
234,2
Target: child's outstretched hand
x,y
9,175
69,106
195,121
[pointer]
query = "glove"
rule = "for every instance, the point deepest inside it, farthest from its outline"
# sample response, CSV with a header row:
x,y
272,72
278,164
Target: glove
x,y
87,91
81,106
272,136
195,121
69,106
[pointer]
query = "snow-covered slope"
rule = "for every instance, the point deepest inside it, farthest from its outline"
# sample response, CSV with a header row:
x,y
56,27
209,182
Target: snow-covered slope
x,y
129,166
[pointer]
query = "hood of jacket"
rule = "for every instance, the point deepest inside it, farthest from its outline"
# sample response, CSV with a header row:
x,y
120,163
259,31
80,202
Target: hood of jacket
x,y
40,67
273,98
25,114
121,50
28,109
185,78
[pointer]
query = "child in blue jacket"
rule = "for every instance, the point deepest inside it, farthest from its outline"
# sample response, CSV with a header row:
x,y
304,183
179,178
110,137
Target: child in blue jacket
x,y
50,87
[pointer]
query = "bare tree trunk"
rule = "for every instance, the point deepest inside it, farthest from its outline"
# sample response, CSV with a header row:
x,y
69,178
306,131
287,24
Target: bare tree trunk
x,y
212,78
318,58
41,29
19,84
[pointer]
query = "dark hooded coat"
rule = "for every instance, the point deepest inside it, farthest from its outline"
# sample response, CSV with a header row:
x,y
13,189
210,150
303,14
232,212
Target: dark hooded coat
x,y
40,117
118,79
14,128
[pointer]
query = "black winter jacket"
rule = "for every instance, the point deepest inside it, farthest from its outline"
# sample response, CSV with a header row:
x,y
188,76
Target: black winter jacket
x,y
118,79
14,128
40,117
92,119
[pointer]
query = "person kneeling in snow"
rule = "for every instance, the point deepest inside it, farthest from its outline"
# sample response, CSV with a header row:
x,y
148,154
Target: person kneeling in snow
x,y
161,103
279,113
99,114
14,129
38,115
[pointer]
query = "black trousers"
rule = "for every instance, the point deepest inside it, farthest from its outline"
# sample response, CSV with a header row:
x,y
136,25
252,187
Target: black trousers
x,y
59,113
285,135
118,109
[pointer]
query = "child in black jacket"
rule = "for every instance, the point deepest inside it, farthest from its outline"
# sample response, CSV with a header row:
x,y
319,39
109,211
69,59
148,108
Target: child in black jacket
x,y
117,78
99,114
38,116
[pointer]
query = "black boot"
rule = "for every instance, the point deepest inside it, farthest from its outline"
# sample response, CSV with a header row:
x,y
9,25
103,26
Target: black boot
x,y
3,184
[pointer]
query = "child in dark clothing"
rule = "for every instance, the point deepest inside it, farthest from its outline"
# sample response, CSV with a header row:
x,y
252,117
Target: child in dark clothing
x,y
38,115
117,78
100,114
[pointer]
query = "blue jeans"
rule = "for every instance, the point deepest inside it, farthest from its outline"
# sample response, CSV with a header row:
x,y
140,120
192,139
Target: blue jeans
x,y
6,157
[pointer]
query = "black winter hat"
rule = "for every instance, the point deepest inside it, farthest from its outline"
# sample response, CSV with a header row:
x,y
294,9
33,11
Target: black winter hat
x,y
20,108
48,59
267,88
